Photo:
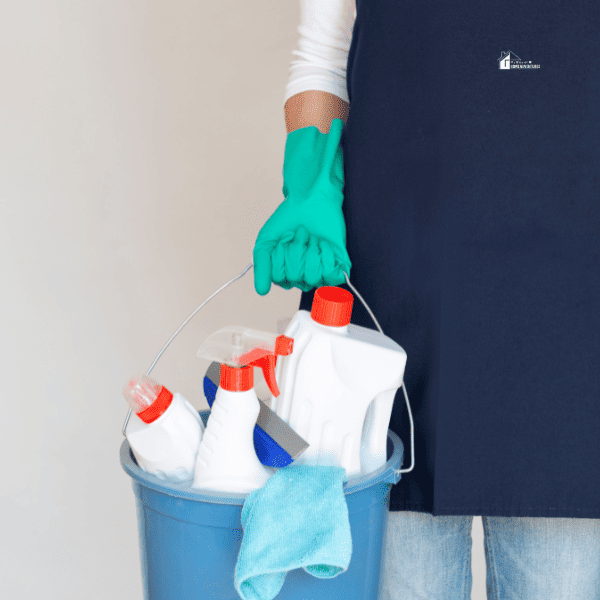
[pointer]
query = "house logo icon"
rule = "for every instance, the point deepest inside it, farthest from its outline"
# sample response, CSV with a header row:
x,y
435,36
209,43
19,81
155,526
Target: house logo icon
x,y
509,60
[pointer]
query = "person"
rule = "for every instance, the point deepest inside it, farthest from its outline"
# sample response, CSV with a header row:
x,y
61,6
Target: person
x,y
470,221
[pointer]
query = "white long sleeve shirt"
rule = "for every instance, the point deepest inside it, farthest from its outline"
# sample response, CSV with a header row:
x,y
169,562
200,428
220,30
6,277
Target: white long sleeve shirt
x,y
325,35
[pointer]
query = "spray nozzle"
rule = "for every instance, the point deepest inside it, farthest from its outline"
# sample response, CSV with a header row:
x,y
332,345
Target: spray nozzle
x,y
240,347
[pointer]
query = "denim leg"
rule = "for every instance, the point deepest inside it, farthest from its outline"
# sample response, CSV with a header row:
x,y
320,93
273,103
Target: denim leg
x,y
538,558
426,557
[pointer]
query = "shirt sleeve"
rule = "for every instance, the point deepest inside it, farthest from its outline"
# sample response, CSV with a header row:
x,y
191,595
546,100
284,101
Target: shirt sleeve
x,y
325,35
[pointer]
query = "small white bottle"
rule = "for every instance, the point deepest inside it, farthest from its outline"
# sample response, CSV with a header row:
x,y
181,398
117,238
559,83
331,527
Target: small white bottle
x,y
227,460
164,430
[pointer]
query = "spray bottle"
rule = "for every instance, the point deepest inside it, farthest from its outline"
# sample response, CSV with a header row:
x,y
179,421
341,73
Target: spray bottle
x,y
338,388
227,459
165,431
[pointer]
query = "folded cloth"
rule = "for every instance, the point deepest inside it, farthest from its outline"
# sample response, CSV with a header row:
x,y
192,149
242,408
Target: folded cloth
x,y
299,518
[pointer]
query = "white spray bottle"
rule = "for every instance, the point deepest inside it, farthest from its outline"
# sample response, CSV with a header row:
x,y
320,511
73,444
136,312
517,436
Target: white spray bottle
x,y
338,387
227,459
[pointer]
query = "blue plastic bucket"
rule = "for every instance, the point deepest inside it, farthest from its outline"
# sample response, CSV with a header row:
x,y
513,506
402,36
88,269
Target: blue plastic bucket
x,y
189,541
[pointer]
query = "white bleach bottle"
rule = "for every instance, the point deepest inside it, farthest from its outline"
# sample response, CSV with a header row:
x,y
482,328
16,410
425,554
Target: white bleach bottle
x,y
338,386
227,459
164,430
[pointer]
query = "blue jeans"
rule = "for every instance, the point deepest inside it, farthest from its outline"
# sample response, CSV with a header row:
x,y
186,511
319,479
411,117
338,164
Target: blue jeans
x,y
527,558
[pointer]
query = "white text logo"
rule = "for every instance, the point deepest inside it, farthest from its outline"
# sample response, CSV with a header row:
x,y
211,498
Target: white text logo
x,y
509,60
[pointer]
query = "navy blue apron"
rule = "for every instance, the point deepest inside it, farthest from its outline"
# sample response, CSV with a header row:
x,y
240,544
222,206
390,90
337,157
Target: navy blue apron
x,y
472,206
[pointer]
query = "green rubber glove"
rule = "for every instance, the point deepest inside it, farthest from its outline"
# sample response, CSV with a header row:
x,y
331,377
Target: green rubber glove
x,y
303,243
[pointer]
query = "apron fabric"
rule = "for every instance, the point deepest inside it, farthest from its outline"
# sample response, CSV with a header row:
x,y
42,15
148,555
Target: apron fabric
x,y
472,207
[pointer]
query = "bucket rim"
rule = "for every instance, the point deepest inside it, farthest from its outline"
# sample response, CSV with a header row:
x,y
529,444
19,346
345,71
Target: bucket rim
x,y
387,473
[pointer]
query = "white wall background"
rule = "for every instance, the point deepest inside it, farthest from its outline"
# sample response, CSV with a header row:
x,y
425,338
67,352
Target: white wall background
x,y
141,147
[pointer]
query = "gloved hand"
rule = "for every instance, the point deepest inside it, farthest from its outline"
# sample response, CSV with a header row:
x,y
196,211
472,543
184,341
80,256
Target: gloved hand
x,y
303,243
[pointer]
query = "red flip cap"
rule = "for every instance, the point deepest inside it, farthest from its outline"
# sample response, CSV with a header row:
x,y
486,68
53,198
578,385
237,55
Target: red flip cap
x,y
258,357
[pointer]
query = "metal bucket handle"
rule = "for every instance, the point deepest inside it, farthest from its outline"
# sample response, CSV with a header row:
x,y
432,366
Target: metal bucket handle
x,y
397,472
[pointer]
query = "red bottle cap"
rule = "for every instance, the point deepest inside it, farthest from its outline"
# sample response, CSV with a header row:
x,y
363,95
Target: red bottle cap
x,y
237,379
158,407
332,306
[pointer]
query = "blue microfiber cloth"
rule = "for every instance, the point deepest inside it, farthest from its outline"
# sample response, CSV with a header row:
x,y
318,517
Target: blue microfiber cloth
x,y
299,518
